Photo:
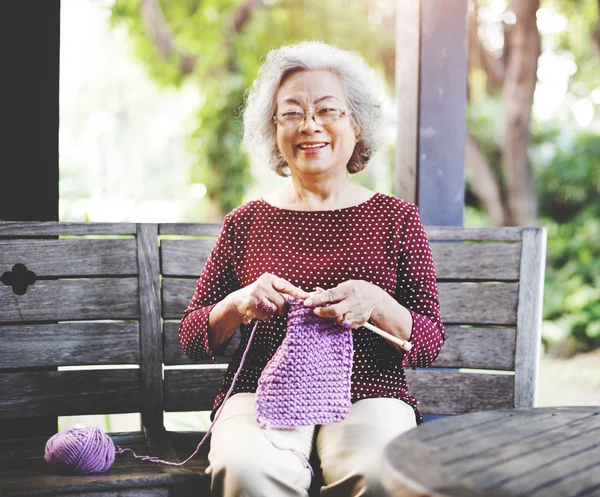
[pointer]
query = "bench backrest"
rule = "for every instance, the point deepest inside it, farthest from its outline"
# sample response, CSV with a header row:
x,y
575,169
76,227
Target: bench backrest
x,y
112,294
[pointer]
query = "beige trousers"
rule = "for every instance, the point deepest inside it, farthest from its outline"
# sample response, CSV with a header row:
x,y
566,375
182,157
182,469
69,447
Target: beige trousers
x,y
244,463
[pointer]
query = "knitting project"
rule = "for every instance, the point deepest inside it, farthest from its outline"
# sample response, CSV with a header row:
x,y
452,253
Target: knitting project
x,y
307,381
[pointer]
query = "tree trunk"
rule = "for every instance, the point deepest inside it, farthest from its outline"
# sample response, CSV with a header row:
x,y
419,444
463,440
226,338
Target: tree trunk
x,y
519,86
483,183
596,35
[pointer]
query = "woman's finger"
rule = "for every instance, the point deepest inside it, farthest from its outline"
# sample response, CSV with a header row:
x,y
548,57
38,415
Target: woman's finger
x,y
328,296
287,288
335,311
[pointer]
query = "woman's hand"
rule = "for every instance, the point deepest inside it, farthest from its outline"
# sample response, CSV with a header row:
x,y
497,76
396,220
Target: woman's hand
x,y
352,303
265,297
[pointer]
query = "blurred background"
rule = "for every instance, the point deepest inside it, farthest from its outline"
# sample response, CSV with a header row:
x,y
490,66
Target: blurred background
x,y
150,130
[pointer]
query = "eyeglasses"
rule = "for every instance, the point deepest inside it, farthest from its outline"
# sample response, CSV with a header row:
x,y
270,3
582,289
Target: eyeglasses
x,y
326,115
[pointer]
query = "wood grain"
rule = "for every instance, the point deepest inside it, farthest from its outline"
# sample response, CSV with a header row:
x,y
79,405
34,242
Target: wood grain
x,y
441,392
408,56
18,229
190,229
479,303
184,257
69,344
192,389
68,258
471,262
174,355
453,261
550,452
478,348
470,347
67,393
529,318
150,326
71,300
438,392
461,303
453,233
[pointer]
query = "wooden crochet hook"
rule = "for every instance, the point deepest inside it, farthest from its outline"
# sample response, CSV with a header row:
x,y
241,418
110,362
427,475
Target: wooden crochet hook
x,y
388,336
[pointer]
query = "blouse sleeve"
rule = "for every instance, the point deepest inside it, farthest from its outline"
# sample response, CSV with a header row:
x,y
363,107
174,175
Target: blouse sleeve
x,y
216,281
417,291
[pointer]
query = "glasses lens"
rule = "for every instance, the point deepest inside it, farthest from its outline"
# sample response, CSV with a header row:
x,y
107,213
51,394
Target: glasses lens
x,y
321,116
327,115
290,119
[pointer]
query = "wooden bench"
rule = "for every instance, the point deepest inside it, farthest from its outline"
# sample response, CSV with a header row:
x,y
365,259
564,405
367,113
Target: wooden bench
x,y
112,294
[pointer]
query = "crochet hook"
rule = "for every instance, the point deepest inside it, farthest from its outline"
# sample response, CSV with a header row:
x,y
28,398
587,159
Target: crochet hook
x,y
388,336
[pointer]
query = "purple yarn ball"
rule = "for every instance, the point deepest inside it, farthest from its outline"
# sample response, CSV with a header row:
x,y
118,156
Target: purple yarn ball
x,y
80,451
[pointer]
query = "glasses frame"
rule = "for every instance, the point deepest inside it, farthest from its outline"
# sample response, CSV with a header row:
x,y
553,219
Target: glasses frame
x,y
343,113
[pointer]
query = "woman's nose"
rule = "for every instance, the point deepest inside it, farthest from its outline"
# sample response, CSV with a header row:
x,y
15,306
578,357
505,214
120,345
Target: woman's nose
x,y
309,124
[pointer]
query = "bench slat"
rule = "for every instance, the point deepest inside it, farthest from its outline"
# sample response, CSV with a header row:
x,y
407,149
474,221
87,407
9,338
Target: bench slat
x,y
69,344
461,303
56,228
453,261
174,355
445,233
477,348
69,393
439,392
70,257
493,261
68,300
189,229
184,257
510,234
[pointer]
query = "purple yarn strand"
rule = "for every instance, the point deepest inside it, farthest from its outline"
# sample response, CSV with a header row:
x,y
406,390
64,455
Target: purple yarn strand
x,y
291,392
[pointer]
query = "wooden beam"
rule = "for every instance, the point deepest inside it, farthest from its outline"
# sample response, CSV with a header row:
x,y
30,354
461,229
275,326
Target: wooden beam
x,y
442,112
408,34
30,50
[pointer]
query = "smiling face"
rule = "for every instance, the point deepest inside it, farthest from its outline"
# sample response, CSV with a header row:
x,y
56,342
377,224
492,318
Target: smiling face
x,y
313,148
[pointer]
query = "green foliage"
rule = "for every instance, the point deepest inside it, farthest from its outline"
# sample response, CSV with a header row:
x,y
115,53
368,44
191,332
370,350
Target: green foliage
x,y
565,159
569,189
569,184
228,61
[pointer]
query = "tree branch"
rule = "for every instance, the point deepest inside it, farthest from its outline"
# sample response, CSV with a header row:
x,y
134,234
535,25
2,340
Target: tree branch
x,y
160,33
483,183
243,14
493,66
596,35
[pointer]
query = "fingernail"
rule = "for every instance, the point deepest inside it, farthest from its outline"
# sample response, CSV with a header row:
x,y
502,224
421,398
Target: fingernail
x,y
308,302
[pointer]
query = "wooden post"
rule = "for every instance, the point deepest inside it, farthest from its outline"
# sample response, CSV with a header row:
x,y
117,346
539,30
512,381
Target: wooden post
x,y
431,73
30,50
408,35
442,112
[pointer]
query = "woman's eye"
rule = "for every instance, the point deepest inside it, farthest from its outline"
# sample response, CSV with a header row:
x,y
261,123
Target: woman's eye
x,y
326,112
292,115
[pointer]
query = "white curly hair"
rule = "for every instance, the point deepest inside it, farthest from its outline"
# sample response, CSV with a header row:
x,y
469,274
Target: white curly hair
x,y
360,83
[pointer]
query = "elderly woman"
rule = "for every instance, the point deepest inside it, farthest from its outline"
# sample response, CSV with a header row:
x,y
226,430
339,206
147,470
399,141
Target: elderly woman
x,y
313,116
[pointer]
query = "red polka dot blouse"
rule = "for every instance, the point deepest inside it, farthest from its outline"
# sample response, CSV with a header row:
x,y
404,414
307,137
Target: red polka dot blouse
x,y
381,240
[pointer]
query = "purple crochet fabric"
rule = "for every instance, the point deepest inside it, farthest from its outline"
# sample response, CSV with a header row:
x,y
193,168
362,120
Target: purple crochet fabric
x,y
307,381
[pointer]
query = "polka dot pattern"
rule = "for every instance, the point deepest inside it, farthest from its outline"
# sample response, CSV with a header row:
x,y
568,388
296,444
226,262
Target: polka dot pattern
x,y
381,240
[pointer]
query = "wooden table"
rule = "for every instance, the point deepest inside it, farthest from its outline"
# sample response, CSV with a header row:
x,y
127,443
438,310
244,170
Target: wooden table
x,y
537,452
